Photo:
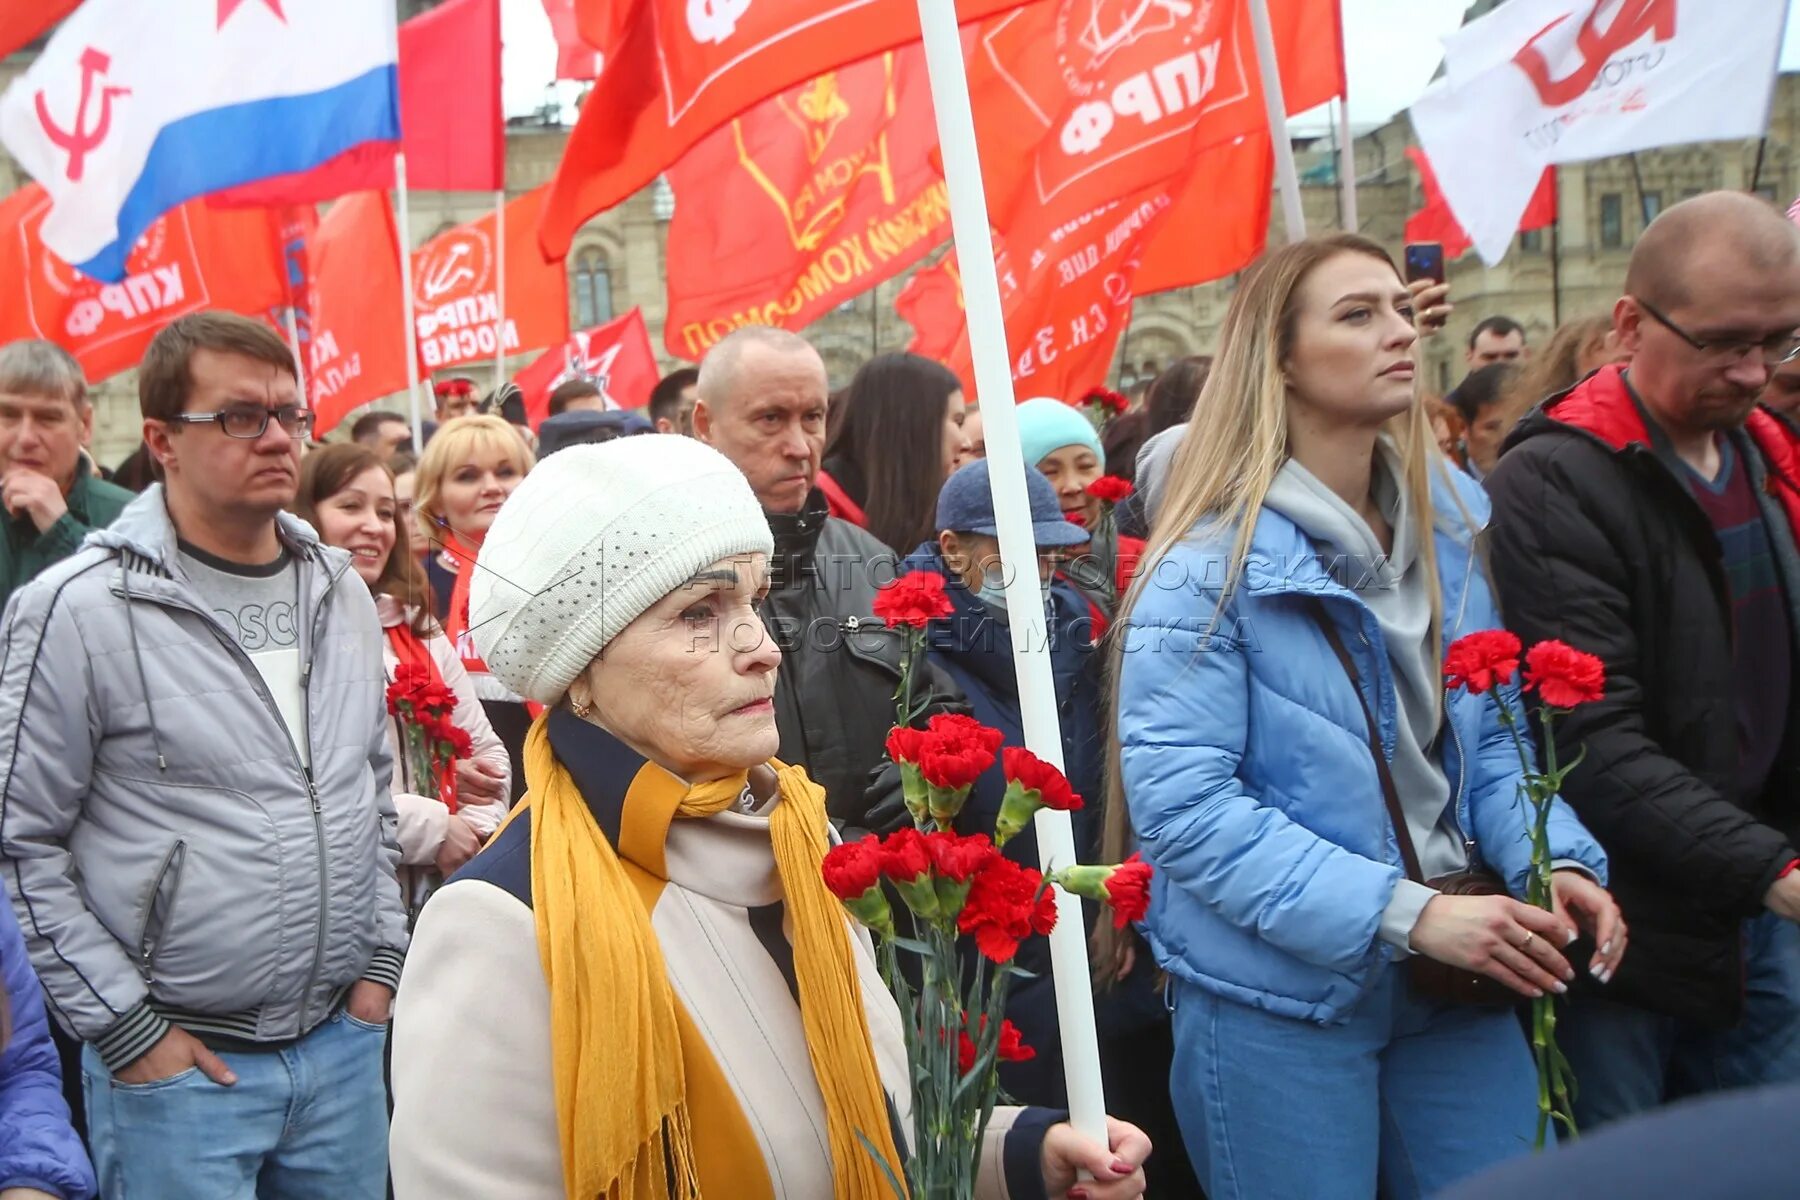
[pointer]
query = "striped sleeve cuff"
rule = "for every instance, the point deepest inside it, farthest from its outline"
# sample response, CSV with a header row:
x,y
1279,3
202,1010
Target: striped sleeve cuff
x,y
384,968
130,1037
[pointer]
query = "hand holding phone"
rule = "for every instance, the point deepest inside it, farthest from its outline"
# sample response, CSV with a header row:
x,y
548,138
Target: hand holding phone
x,y
1424,260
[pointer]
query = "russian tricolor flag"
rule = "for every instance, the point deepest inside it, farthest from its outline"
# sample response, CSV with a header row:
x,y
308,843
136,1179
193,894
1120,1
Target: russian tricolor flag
x,y
135,108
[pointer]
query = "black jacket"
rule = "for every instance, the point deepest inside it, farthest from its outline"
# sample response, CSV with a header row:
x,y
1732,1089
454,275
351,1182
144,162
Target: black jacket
x,y
840,667
1596,541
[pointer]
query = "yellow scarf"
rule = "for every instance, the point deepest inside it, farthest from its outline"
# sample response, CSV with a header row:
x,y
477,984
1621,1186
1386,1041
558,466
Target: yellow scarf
x,y
621,1091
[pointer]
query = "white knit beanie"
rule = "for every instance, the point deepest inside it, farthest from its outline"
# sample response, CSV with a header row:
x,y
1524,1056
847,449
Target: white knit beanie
x,y
591,539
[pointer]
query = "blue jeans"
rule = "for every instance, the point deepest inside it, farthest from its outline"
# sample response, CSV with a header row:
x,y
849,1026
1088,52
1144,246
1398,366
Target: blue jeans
x,y
302,1123
1628,1060
1406,1093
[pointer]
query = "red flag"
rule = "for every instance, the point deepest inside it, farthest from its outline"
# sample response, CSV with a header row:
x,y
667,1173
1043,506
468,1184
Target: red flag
x,y
932,303
1221,219
616,356
357,349
1434,222
1081,101
454,133
810,198
456,299
24,21
675,70
192,258
575,59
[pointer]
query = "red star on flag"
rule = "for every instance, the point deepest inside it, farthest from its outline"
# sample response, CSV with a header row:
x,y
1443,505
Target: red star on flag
x,y
227,7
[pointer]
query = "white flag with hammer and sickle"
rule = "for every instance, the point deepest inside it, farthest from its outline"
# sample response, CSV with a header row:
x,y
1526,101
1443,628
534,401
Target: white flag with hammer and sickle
x,y
135,108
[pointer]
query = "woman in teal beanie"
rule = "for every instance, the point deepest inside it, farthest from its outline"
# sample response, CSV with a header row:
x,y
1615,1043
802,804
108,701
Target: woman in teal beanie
x,y
1059,440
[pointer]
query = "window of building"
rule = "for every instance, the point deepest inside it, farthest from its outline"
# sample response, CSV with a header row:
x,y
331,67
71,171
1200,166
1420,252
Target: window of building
x,y
1652,206
1612,220
1532,241
593,289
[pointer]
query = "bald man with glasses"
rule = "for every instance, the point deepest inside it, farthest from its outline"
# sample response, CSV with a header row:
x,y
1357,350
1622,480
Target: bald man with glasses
x,y
1648,515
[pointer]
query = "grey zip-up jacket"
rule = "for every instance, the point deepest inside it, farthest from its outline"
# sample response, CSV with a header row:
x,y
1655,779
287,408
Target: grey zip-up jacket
x,y
170,857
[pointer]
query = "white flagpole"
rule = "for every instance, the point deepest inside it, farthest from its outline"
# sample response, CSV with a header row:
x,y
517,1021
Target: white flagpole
x,y
1347,162
1293,216
406,290
500,288
293,332
1018,547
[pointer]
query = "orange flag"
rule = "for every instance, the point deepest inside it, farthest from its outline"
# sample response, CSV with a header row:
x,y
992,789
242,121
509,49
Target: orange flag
x,y
455,290
192,258
357,349
675,70
1081,101
22,21
808,199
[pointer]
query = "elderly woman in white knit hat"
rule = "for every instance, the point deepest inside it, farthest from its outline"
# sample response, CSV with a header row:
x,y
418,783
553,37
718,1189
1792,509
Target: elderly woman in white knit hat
x,y
685,1011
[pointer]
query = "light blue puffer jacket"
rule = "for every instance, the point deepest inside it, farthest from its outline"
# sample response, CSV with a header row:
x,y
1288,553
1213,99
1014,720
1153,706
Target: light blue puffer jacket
x,y
1246,765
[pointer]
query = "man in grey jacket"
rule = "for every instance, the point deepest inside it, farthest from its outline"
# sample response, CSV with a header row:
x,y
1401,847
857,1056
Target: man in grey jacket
x,y
195,825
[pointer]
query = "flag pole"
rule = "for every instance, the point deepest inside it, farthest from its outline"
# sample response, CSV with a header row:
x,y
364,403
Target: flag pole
x,y
1347,164
500,289
293,336
406,303
1293,216
1018,547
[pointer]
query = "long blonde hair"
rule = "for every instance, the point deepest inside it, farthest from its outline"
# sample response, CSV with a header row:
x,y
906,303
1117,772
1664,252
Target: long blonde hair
x,y
1236,442
1555,368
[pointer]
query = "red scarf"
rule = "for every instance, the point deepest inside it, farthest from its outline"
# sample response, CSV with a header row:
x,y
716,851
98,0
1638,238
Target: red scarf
x,y
409,647
456,621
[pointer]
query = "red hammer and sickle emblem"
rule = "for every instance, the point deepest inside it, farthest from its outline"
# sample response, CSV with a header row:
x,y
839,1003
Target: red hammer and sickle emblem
x,y
83,138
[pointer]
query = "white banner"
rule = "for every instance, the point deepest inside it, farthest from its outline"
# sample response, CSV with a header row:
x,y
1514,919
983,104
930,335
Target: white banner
x,y
1539,83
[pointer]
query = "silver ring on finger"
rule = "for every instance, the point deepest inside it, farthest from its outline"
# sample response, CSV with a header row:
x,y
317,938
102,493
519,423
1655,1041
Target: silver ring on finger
x,y
1526,944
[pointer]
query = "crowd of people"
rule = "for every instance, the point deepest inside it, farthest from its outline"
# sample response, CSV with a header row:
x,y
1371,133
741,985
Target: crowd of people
x,y
258,946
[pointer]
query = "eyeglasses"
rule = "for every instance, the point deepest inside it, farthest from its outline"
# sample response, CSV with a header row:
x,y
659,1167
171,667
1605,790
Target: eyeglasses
x,y
1776,350
249,421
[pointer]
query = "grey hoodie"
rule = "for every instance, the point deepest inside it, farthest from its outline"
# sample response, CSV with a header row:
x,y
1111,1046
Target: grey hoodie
x,y
1400,598
171,857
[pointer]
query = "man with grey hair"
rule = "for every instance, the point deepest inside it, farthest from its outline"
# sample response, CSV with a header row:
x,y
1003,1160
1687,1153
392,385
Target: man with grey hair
x,y
761,403
51,494
1648,516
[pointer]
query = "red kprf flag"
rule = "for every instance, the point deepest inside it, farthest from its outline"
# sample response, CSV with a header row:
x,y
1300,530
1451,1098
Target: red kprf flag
x,y
455,290
616,357
191,258
675,70
452,126
812,197
357,349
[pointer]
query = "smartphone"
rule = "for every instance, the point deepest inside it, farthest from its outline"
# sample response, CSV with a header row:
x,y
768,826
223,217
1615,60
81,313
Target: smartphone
x,y
1425,260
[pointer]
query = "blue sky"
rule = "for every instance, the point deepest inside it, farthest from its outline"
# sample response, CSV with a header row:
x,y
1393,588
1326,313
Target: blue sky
x,y
1392,47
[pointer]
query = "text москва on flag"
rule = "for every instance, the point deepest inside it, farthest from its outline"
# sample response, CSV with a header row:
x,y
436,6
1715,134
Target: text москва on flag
x,y
134,108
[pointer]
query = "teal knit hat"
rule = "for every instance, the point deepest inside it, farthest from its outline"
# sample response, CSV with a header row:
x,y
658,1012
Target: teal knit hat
x,y
1047,425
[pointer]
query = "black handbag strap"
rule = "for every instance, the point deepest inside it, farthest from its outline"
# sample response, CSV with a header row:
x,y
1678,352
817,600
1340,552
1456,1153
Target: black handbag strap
x,y
1408,855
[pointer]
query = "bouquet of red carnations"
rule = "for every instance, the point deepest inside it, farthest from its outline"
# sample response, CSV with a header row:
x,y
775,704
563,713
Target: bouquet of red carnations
x,y
430,739
1101,405
956,885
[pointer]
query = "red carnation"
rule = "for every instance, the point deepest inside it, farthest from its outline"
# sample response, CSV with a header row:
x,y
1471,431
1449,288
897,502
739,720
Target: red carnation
x,y
915,599
1012,1044
1482,660
958,858
1035,775
1107,399
906,745
1110,488
959,728
1004,908
1128,891
904,857
954,768
1564,676
851,869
